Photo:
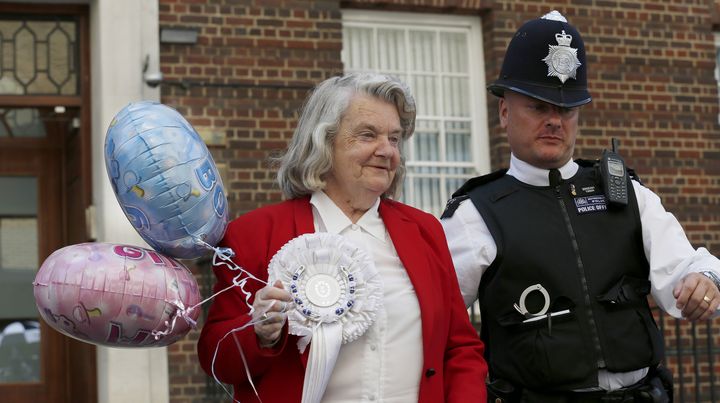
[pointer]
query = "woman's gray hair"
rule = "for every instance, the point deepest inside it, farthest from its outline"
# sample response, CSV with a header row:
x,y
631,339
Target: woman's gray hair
x,y
310,153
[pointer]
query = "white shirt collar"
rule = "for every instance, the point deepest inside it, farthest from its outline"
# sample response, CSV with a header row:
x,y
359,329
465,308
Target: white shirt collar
x,y
535,176
335,221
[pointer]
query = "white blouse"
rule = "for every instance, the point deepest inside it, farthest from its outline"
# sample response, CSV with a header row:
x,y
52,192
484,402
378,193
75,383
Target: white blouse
x,y
385,364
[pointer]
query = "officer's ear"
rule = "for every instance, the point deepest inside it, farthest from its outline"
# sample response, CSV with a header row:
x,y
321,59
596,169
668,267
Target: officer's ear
x,y
503,112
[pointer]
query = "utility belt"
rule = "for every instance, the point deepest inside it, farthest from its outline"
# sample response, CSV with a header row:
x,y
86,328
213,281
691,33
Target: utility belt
x,y
656,387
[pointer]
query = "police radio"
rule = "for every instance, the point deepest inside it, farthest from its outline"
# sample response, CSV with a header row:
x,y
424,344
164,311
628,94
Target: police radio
x,y
614,176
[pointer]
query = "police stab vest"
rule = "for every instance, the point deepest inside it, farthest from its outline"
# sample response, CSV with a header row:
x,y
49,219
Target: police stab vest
x,y
567,292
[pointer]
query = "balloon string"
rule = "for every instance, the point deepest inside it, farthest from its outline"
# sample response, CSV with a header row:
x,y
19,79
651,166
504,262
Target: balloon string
x,y
242,355
180,311
213,296
221,256
247,368
226,255
212,365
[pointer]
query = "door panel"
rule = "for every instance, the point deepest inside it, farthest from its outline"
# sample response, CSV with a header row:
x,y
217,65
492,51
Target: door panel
x,y
19,327
38,364
30,229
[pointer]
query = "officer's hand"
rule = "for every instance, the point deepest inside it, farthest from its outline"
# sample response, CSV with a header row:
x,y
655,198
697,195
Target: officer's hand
x,y
697,297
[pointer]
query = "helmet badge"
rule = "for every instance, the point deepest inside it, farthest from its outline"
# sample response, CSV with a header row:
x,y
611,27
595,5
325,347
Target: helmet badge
x,y
562,60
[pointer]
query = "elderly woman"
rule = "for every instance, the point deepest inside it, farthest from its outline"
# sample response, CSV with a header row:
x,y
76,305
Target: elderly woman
x,y
341,169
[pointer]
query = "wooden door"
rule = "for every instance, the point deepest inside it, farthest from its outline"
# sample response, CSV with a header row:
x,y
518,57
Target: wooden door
x,y
37,364
45,181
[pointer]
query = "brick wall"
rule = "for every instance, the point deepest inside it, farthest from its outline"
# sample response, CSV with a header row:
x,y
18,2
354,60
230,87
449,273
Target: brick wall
x,y
650,71
242,84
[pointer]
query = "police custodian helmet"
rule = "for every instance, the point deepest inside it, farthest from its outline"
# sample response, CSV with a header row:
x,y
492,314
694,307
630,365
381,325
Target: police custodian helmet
x,y
546,60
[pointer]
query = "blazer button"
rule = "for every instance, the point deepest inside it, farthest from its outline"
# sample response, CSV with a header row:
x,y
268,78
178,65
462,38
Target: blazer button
x,y
430,372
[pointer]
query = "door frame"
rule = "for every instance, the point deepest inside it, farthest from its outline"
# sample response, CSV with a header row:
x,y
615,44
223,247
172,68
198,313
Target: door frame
x,y
42,164
76,374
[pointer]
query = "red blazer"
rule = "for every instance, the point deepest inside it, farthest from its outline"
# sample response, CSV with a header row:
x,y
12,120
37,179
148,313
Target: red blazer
x,y
453,370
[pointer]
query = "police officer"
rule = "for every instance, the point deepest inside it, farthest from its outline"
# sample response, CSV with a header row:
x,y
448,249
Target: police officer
x,y
560,266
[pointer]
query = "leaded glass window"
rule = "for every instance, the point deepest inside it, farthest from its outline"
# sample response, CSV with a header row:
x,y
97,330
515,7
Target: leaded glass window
x,y
38,56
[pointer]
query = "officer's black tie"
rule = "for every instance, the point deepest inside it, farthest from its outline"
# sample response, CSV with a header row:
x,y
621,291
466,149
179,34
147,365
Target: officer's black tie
x,y
554,177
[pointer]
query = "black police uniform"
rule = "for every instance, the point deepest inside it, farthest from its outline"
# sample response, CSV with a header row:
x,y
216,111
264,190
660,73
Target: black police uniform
x,y
589,258
587,273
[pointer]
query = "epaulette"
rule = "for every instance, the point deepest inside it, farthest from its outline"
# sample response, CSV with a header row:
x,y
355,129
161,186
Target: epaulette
x,y
479,181
634,176
586,163
452,205
591,163
462,194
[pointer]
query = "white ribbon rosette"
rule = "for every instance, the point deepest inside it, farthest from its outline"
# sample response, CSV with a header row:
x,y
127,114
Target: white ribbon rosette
x,y
336,291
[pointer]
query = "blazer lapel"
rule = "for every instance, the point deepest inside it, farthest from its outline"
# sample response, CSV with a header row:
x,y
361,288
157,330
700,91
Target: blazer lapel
x,y
302,213
412,251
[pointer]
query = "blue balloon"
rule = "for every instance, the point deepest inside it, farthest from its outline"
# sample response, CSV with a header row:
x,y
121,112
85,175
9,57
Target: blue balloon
x,y
165,180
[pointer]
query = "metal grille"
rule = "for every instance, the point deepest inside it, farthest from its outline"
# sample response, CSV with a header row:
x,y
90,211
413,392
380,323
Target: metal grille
x,y
39,56
692,352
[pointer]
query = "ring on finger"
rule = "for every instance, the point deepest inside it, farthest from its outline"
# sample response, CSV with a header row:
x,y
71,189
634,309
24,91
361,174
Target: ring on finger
x,y
264,316
707,299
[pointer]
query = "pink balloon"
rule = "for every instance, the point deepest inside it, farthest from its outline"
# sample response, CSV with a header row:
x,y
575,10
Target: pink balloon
x,y
116,295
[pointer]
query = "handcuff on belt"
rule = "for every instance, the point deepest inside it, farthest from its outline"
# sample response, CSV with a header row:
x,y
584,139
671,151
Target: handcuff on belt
x,y
542,313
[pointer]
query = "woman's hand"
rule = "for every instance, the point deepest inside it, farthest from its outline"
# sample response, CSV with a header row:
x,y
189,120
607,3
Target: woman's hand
x,y
270,307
